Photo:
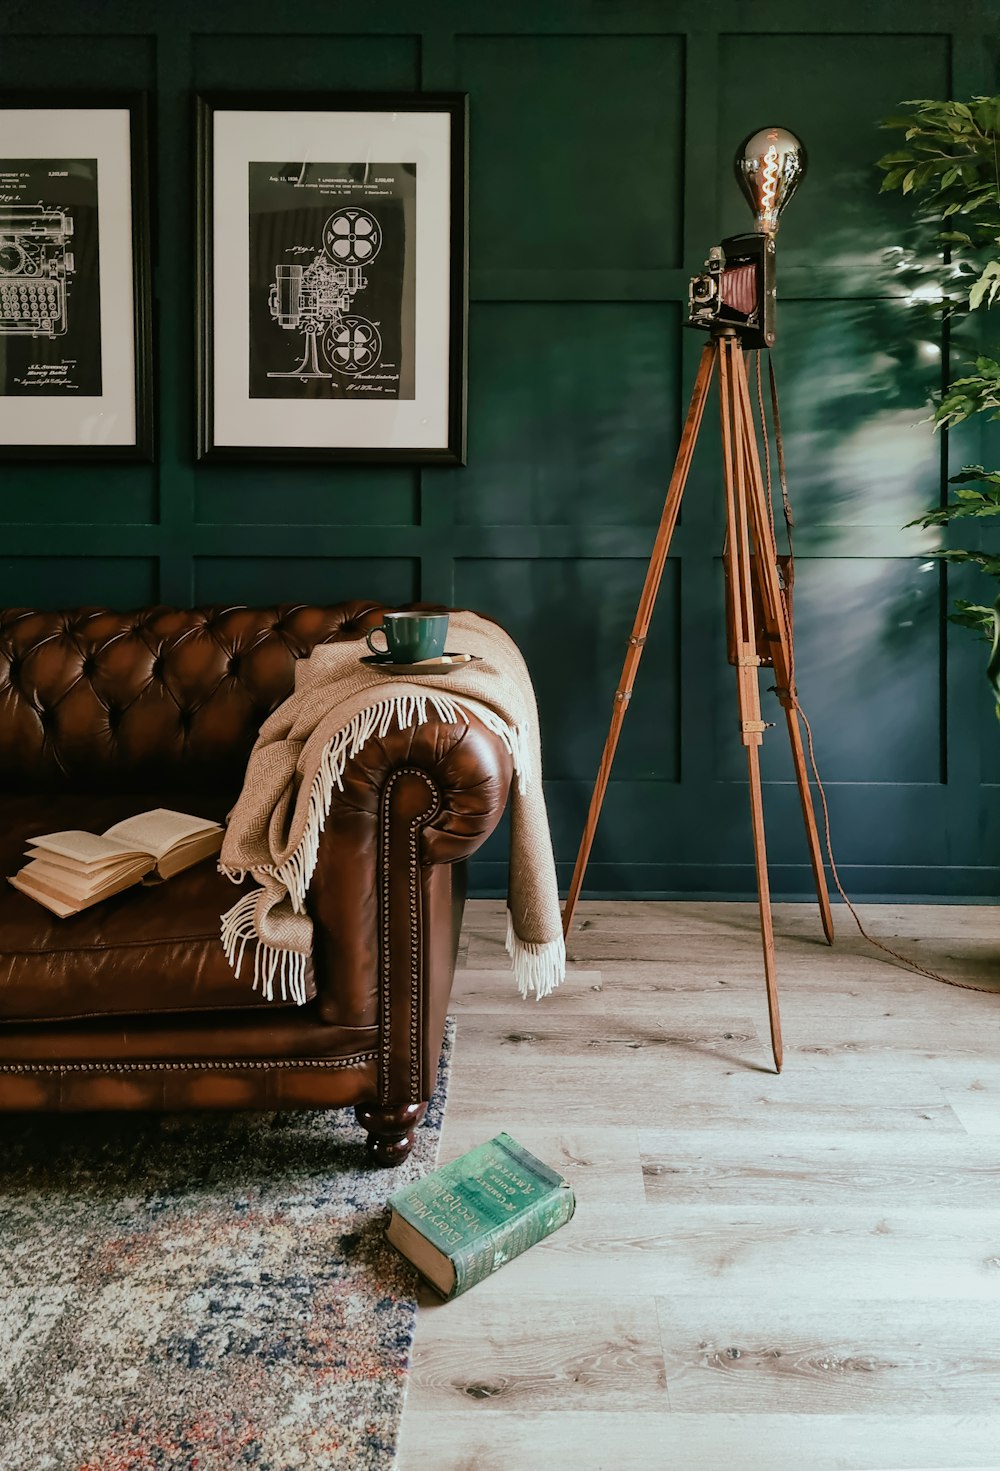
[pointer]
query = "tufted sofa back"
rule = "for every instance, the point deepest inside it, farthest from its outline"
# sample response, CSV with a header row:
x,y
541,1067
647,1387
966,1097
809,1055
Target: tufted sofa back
x,y
158,700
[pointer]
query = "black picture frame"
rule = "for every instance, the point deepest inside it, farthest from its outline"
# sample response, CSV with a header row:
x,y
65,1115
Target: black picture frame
x,y
102,334
252,403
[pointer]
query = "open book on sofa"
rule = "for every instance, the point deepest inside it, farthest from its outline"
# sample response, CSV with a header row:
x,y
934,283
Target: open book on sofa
x,y
69,871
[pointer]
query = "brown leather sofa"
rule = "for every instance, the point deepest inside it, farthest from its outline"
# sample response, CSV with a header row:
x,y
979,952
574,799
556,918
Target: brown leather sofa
x,y
132,1004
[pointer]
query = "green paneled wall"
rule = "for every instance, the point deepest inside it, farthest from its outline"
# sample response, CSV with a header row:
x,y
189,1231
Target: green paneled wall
x,y
601,138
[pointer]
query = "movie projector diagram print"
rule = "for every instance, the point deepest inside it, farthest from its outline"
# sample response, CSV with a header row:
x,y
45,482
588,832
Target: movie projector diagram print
x,y
316,299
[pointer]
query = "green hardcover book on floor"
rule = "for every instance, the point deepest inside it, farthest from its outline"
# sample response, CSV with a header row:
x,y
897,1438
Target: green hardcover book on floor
x,y
473,1215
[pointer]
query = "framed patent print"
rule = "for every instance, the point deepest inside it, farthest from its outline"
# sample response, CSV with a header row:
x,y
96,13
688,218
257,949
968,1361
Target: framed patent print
x,y
75,301
332,277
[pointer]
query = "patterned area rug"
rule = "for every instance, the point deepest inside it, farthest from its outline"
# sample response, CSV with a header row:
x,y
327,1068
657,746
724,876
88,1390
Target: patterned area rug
x,y
202,1292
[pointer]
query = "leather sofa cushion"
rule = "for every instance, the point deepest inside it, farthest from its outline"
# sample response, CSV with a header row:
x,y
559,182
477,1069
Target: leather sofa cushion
x,y
146,951
159,699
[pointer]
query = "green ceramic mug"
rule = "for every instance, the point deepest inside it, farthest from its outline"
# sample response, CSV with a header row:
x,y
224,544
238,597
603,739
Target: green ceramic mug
x,y
410,637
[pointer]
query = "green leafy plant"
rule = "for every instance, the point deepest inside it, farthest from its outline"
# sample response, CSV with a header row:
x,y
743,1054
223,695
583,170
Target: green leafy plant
x,y
949,163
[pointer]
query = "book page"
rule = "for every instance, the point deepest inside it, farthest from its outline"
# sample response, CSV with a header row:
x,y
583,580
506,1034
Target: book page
x,y
62,903
184,855
57,906
160,830
83,870
84,847
78,885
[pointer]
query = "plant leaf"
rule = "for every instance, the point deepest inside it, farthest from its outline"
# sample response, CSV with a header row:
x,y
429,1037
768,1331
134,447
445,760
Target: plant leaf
x,y
979,288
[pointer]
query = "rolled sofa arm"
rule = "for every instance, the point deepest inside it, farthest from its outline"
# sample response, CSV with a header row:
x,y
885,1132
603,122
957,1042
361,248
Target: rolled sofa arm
x,y
386,897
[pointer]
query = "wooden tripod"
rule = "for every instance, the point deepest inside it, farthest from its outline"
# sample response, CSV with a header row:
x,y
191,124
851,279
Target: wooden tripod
x,y
759,631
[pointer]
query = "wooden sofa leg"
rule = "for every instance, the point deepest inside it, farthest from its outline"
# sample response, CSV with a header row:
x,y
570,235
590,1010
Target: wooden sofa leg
x,y
390,1130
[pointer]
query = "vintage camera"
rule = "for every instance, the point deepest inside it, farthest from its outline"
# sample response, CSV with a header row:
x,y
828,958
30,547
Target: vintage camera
x,y
34,263
737,289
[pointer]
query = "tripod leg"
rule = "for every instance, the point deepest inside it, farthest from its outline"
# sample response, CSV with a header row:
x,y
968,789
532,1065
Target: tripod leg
x,y
764,904
644,613
744,642
779,634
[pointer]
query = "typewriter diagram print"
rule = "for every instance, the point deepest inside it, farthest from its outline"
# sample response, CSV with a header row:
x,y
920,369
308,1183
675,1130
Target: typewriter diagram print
x,y
332,281
50,329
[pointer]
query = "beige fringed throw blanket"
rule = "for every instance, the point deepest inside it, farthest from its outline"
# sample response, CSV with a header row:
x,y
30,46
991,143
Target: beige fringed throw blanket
x,y
298,763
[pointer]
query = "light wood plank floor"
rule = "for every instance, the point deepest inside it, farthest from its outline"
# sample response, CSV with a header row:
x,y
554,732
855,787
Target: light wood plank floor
x,y
764,1273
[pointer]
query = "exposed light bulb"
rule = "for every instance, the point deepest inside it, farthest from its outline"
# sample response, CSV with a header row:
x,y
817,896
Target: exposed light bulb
x,y
769,165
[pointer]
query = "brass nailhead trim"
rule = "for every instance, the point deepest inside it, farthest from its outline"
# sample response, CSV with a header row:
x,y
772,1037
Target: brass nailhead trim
x,y
416,988
187,1067
384,1010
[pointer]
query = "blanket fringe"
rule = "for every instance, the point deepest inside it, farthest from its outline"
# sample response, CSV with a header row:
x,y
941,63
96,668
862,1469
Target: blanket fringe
x,y
376,720
287,967
537,968
514,738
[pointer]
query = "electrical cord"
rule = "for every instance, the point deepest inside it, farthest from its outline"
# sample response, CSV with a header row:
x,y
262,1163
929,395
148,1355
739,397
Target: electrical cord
x,y
904,960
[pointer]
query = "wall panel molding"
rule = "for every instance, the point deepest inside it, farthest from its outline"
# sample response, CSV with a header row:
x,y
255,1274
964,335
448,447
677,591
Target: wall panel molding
x,y
601,138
